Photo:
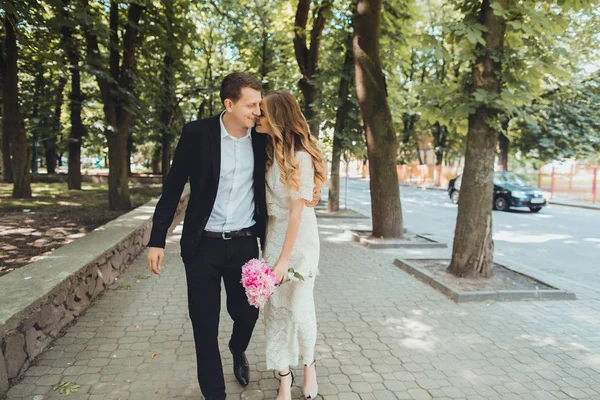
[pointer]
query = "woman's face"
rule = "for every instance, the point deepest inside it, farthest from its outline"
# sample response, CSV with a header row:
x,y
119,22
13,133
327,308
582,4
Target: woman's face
x,y
262,123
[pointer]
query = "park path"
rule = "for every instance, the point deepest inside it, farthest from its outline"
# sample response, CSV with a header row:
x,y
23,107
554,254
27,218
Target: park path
x,y
382,335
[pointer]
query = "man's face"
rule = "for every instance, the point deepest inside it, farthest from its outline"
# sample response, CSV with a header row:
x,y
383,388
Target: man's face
x,y
246,110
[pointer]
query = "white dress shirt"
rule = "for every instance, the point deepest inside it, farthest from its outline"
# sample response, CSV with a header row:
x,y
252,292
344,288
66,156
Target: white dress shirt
x,y
234,205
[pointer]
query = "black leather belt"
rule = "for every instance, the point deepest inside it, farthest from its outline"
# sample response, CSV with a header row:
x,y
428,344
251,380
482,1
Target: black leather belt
x,y
229,235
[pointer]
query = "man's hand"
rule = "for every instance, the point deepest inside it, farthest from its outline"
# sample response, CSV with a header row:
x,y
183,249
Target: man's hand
x,y
156,255
315,199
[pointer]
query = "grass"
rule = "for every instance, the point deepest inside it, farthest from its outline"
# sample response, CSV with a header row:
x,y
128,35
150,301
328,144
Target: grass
x,y
55,216
58,195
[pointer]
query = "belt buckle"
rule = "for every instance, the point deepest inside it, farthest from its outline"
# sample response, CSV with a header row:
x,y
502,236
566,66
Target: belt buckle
x,y
224,237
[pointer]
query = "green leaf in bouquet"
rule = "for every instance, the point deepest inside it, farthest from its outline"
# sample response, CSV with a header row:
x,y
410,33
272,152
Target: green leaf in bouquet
x,y
297,275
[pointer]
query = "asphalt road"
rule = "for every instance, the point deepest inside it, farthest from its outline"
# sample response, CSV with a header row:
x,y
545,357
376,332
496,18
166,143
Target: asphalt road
x,y
560,241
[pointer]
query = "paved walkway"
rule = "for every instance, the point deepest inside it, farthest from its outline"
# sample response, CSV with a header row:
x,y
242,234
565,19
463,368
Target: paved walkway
x,y
382,335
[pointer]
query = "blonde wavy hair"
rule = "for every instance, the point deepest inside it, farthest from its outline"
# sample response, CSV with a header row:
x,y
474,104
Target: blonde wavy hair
x,y
290,133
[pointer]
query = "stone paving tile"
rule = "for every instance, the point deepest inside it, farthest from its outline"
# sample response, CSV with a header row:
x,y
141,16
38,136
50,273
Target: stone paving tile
x,y
382,335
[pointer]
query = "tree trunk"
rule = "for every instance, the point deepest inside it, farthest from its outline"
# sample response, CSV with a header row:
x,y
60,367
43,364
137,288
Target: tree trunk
x,y
156,156
440,138
77,128
130,146
382,143
310,94
409,120
7,172
201,109
75,99
266,54
418,149
116,110
38,93
308,58
12,120
503,144
118,180
333,201
166,158
50,146
168,93
265,61
473,249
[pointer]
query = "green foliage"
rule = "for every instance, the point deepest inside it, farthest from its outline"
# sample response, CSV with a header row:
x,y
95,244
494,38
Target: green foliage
x,y
565,124
427,47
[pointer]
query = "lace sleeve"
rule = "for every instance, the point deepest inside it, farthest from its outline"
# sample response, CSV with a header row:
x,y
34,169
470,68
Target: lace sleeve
x,y
307,177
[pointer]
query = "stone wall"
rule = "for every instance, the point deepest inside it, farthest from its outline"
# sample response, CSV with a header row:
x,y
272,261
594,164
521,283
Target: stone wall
x,y
38,300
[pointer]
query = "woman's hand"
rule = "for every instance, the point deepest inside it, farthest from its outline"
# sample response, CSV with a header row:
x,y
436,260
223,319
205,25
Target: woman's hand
x,y
280,269
316,198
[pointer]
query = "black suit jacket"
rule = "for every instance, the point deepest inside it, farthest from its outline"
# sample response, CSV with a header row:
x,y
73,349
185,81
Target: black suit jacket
x,y
198,158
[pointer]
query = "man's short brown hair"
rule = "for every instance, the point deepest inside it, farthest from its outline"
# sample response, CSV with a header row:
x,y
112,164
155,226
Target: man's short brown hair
x,y
232,85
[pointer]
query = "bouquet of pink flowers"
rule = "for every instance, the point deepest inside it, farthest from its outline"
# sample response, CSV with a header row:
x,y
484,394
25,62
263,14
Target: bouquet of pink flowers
x,y
260,281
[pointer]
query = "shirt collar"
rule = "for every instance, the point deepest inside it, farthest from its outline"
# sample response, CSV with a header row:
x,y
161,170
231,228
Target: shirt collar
x,y
225,134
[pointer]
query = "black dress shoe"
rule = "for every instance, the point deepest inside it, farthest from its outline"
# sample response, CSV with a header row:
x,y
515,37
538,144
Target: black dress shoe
x,y
217,397
241,369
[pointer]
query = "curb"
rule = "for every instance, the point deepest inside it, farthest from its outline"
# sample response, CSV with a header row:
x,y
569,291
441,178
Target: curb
x,y
596,208
459,296
360,237
435,188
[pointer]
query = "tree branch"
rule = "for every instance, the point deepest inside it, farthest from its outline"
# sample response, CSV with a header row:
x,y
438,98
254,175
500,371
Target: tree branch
x,y
113,45
233,20
300,47
315,35
95,59
129,44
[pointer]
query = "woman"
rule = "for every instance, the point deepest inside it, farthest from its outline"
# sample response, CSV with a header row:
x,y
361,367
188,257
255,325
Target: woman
x,y
295,165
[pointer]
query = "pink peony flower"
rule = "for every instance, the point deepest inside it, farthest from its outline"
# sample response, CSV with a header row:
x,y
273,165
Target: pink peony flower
x,y
259,282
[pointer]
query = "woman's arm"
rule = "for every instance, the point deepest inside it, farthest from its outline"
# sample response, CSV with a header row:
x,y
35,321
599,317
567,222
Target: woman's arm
x,y
282,265
298,197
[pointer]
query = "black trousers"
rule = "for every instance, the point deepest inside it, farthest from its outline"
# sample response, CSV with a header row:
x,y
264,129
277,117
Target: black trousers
x,y
218,259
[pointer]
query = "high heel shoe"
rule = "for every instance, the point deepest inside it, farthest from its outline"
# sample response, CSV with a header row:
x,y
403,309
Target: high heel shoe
x,y
291,384
307,393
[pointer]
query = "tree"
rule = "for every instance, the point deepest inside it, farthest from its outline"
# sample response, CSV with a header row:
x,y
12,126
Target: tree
x,y
516,55
12,120
308,57
333,199
7,172
382,142
70,48
50,136
171,31
168,93
115,84
472,252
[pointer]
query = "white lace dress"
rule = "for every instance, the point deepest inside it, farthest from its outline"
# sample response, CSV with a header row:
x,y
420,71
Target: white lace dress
x,y
291,323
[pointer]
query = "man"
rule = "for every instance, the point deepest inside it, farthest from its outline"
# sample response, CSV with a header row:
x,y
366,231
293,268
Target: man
x,y
224,160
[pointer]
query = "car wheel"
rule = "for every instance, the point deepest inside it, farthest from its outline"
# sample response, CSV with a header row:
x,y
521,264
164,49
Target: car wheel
x,y
535,209
454,196
501,204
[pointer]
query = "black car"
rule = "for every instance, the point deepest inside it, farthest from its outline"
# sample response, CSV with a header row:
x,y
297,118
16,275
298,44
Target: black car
x,y
510,190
